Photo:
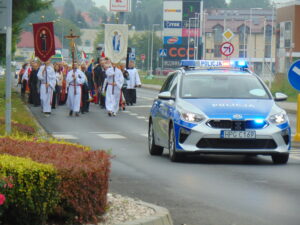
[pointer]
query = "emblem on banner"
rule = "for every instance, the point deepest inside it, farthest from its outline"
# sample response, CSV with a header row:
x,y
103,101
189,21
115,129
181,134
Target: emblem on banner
x,y
44,42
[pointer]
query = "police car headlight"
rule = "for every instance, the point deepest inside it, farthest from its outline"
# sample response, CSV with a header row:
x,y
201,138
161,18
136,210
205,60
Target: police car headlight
x,y
278,118
192,117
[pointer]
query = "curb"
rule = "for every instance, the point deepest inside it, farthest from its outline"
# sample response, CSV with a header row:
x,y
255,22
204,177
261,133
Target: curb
x,y
162,216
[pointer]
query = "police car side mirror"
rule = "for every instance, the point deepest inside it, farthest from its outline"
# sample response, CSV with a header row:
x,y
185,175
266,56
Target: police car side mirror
x,y
166,95
280,97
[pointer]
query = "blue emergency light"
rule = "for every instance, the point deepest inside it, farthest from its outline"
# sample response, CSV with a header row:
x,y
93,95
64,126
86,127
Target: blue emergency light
x,y
242,64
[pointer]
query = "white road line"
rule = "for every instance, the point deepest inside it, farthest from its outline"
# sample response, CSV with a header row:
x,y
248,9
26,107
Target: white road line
x,y
133,114
147,121
144,135
111,136
65,136
295,157
147,98
141,106
101,132
141,117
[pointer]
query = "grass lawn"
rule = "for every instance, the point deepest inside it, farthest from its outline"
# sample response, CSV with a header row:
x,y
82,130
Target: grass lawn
x,y
20,114
281,84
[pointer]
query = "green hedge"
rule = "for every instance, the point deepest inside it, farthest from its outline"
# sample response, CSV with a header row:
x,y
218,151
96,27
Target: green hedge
x,y
35,191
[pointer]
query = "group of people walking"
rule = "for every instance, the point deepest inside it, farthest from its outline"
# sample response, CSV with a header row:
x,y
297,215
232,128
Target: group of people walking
x,y
110,85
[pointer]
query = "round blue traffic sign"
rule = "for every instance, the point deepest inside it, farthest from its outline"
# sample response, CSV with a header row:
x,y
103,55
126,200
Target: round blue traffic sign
x,y
294,75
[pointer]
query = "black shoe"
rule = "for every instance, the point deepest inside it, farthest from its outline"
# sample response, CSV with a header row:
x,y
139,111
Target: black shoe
x,y
109,114
77,114
71,113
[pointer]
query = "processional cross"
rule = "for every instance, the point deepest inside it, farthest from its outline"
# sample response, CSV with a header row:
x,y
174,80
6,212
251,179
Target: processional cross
x,y
72,38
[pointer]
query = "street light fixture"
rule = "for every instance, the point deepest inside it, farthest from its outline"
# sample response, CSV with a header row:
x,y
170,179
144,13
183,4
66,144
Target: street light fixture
x,y
151,63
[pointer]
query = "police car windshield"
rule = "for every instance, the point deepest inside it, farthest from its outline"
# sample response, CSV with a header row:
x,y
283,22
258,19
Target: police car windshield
x,y
222,86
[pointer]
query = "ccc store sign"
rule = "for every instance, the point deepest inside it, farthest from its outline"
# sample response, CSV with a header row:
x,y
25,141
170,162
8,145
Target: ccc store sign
x,y
180,52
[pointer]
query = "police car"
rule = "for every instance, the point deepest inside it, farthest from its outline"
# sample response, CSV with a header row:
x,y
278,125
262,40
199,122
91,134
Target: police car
x,y
218,107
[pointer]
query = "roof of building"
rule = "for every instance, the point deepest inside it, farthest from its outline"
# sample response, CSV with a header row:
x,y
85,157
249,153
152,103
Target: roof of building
x,y
26,41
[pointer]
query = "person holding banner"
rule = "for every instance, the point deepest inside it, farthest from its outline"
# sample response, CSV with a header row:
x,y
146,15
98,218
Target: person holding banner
x,y
114,79
47,77
74,79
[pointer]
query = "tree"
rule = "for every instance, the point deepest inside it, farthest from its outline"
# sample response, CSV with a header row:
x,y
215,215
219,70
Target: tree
x,y
99,40
21,9
215,3
139,42
69,11
246,4
80,20
80,5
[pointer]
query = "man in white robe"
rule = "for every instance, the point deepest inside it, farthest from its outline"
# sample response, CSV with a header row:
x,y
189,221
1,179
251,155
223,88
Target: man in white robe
x,y
114,79
75,78
47,77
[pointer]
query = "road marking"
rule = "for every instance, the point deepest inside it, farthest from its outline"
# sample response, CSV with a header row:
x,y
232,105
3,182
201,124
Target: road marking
x,y
144,135
101,132
64,136
147,121
111,136
133,114
295,157
147,98
141,117
141,106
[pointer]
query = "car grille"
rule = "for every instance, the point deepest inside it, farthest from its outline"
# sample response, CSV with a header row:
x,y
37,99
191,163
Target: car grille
x,y
237,143
236,125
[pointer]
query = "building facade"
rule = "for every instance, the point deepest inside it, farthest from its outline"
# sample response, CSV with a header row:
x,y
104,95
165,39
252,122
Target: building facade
x,y
287,35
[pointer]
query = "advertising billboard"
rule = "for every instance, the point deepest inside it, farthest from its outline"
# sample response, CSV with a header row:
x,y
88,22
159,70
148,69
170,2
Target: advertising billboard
x,y
120,5
172,11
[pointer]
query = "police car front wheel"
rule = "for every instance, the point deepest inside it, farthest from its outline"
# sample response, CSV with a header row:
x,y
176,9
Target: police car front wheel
x,y
153,148
280,158
173,155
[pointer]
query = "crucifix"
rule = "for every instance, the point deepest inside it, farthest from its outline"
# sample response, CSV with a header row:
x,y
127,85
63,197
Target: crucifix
x,y
72,38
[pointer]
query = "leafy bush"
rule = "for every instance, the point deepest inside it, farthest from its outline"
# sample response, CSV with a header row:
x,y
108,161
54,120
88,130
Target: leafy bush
x,y
84,175
5,185
35,192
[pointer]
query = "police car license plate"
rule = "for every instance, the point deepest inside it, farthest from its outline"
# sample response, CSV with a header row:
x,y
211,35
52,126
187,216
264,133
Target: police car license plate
x,y
238,134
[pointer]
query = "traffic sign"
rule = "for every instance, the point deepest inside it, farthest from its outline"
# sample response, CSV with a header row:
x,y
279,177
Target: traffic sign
x,y
162,52
228,34
227,49
294,75
143,57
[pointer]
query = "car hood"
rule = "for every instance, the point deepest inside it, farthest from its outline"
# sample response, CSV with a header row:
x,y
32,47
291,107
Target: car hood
x,y
231,108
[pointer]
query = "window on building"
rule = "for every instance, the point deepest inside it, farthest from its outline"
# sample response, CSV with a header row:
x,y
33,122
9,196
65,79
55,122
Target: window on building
x,y
268,39
243,40
218,38
288,34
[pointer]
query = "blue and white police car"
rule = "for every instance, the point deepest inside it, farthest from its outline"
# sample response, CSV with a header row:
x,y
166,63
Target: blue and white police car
x,y
218,107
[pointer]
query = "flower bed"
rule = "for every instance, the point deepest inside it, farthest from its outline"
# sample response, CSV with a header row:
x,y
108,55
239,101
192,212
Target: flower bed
x,y
84,175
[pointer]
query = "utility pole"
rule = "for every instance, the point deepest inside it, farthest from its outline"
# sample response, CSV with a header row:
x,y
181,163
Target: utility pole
x,y
8,68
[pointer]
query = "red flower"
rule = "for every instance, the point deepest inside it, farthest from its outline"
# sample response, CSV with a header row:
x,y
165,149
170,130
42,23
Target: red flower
x,y
2,199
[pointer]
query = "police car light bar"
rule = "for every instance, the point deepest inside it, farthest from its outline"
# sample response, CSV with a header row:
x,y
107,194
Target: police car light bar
x,y
215,63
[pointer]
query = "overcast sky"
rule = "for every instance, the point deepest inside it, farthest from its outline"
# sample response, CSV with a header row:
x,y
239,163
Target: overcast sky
x,y
106,2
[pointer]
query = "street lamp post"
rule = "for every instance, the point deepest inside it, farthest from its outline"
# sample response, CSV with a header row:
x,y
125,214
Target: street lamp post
x,y
151,61
250,32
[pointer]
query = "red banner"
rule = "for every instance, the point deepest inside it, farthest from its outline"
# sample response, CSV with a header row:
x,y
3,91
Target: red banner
x,y
44,44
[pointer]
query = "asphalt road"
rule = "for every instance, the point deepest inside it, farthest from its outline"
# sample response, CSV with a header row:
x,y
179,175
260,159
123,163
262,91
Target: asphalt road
x,y
204,190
